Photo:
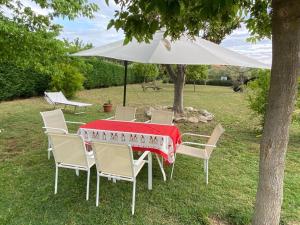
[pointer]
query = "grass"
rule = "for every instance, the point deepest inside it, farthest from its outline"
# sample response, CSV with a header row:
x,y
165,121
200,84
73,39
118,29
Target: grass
x,y
27,176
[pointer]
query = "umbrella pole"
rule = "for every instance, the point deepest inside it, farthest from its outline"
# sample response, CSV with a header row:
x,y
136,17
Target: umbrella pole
x,y
125,82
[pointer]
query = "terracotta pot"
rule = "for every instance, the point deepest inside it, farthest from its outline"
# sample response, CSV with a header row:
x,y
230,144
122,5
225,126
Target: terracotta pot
x,y
107,107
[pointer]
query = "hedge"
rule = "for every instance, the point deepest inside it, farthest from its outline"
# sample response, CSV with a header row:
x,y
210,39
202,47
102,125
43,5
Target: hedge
x,y
106,74
16,82
227,83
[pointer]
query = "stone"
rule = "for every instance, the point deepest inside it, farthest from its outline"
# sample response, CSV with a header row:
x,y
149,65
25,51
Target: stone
x,y
167,107
210,117
189,109
180,119
202,119
193,119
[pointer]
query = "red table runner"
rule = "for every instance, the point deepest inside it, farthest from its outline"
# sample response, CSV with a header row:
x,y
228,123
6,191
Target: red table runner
x,y
158,138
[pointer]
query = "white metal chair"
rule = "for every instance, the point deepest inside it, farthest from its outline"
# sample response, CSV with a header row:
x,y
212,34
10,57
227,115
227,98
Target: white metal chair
x,y
161,117
116,162
186,148
69,152
56,98
124,113
54,122
164,118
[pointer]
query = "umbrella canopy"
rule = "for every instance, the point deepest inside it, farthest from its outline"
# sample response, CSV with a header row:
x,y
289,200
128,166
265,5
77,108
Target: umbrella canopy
x,y
162,50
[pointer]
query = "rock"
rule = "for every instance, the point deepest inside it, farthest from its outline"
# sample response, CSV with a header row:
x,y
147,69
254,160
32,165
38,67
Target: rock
x,y
189,109
210,117
193,119
180,119
204,112
167,107
202,119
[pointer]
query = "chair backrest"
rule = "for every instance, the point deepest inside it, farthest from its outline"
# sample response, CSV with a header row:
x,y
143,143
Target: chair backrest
x,y
68,149
216,134
113,159
55,97
162,117
54,119
125,113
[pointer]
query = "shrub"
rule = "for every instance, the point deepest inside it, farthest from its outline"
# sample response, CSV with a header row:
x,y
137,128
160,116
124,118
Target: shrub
x,y
67,79
105,74
144,72
257,93
226,83
16,82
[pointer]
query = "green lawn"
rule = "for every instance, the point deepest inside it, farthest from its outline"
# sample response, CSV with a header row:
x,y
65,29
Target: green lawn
x,y
27,176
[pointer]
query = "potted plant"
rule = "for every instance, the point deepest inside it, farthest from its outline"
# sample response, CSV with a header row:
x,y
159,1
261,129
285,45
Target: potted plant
x,y
107,106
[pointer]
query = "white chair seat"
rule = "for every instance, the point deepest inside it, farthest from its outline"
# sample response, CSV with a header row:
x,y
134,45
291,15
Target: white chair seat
x,y
192,151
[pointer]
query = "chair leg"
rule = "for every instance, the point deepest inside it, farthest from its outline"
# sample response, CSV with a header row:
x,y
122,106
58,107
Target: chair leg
x,y
77,172
206,172
49,148
161,168
97,194
173,166
88,185
133,197
56,179
150,171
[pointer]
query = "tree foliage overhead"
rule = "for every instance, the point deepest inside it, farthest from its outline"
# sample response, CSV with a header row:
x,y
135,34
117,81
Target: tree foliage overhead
x,y
141,19
29,40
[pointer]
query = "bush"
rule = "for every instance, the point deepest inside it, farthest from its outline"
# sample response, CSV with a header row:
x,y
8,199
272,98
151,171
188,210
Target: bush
x,y
16,82
67,79
196,73
105,74
144,72
257,93
226,83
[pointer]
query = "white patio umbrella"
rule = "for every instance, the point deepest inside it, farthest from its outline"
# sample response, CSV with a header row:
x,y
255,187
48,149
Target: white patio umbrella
x,y
162,50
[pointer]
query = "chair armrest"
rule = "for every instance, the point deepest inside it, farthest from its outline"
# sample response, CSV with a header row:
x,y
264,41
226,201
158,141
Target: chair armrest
x,y
148,121
139,161
133,120
73,122
110,118
54,129
197,135
194,143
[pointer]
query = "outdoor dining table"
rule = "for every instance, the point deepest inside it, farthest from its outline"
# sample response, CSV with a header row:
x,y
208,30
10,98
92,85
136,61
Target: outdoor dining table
x,y
156,138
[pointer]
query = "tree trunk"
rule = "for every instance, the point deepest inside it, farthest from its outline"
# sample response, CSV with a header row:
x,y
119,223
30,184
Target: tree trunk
x,y
281,100
178,79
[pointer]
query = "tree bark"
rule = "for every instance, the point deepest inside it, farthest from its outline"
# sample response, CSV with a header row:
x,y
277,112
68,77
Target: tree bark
x,y
281,101
178,78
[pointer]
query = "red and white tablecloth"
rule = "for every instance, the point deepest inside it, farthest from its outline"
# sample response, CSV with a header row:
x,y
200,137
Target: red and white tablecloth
x,y
161,139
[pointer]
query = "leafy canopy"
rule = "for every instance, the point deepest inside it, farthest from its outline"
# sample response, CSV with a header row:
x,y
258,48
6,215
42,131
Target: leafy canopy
x,y
145,72
208,18
196,72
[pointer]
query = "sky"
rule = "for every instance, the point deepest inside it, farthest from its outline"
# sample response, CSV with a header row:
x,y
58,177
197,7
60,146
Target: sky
x,y
94,31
